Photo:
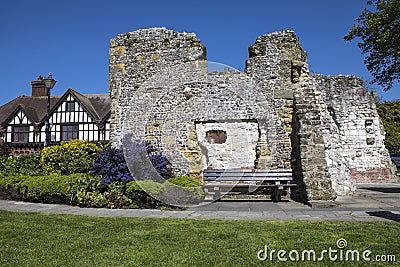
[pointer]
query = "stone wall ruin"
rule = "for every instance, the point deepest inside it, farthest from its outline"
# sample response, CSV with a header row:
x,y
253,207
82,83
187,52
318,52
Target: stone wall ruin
x,y
275,114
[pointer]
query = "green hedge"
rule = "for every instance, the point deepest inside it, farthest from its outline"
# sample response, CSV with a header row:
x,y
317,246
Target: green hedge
x,y
141,193
181,190
46,189
86,190
185,181
22,165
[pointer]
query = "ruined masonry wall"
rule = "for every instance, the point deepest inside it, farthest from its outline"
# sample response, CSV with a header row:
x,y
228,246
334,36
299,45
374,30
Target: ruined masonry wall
x,y
325,128
136,56
353,133
279,62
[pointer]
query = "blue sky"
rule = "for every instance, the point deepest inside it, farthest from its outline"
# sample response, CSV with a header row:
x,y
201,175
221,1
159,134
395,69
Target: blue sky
x,y
71,38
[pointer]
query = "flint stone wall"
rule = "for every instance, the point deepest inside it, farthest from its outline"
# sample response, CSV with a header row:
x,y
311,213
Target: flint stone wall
x,y
325,128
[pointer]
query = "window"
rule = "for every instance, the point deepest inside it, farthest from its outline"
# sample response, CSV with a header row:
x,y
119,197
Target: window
x,y
69,132
70,106
216,136
20,134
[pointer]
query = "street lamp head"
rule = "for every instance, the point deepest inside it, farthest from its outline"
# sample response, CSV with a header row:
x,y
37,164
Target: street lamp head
x,y
49,82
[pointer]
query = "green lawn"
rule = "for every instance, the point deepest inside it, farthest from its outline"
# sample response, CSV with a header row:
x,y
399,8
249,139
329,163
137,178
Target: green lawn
x,y
38,239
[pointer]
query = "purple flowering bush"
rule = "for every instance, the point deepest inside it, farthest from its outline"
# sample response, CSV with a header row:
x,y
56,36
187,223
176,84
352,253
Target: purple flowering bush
x,y
111,166
160,162
137,172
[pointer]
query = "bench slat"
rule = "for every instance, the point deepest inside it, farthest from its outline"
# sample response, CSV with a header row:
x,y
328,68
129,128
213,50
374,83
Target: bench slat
x,y
247,175
247,170
217,180
238,179
250,185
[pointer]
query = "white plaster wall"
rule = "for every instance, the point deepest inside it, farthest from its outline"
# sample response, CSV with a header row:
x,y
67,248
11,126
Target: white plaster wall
x,y
239,149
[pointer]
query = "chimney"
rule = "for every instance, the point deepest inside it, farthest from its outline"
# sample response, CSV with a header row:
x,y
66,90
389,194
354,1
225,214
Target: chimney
x,y
38,87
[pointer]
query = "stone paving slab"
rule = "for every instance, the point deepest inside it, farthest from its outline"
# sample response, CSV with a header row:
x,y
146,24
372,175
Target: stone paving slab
x,y
371,202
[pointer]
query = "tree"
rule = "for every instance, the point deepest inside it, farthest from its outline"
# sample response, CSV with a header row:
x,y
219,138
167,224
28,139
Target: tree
x,y
389,111
5,150
379,31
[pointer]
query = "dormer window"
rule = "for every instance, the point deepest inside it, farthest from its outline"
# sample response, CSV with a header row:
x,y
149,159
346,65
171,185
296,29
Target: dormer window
x,y
70,106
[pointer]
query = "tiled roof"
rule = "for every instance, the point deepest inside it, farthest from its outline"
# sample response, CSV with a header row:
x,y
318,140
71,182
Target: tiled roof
x,y
31,105
31,113
98,105
101,103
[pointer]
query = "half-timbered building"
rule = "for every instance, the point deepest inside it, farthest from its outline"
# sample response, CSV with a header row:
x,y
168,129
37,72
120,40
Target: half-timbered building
x,y
72,116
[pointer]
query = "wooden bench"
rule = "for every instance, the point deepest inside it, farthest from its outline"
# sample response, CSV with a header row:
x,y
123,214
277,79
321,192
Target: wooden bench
x,y
233,180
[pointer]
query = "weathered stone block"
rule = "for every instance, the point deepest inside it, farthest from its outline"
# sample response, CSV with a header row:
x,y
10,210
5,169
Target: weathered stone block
x,y
284,94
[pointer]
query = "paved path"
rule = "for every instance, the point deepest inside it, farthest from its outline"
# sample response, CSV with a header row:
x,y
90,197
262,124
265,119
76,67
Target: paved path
x,y
370,203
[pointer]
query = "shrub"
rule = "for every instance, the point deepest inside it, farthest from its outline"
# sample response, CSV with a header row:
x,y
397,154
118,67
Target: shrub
x,y
11,181
29,164
51,189
146,162
179,191
160,162
75,156
9,187
389,111
5,149
92,193
78,189
84,190
117,200
88,183
47,189
91,199
109,163
182,191
185,181
22,165
141,192
150,186
85,187
7,166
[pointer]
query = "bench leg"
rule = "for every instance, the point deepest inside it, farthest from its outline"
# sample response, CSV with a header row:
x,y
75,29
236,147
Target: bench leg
x,y
217,194
211,194
277,197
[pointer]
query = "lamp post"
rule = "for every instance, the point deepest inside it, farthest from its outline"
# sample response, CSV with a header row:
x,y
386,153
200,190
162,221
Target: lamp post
x,y
49,83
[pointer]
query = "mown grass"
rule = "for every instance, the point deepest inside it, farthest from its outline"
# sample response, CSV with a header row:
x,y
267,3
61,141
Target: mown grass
x,y
39,239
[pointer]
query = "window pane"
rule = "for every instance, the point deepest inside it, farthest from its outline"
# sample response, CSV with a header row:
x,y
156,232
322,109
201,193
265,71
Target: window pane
x,y
70,106
20,134
69,132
